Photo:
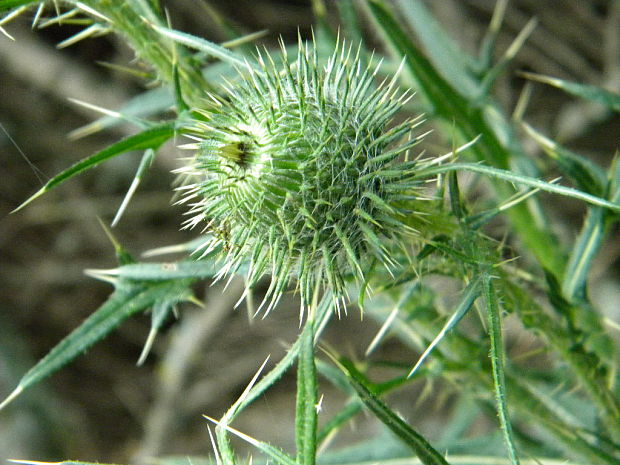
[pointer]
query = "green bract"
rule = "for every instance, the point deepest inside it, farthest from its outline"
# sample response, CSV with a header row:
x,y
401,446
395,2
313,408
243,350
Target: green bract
x,y
299,172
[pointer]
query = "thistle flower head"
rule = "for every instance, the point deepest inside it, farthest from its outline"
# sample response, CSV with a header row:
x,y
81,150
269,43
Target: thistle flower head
x,y
298,172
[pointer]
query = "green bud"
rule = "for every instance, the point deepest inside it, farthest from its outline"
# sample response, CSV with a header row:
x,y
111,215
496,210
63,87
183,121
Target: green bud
x,y
299,173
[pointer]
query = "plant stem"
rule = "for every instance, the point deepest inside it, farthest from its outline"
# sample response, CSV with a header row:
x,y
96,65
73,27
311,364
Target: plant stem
x,y
306,414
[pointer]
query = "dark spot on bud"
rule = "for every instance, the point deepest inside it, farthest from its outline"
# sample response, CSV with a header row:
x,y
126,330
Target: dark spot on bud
x,y
238,152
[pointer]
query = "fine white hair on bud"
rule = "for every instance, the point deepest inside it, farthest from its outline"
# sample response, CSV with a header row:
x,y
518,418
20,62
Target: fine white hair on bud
x,y
299,173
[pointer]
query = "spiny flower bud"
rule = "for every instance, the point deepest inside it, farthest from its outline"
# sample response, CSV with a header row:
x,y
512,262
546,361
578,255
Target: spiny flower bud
x,y
297,173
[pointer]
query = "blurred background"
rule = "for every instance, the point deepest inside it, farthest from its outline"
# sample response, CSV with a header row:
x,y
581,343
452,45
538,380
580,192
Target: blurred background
x,y
104,408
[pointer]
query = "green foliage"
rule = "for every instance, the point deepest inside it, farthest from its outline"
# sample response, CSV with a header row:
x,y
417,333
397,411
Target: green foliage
x,y
151,139
413,439
609,100
299,172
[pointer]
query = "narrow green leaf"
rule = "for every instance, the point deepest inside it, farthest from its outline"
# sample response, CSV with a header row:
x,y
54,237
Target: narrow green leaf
x,y
123,256
594,94
140,123
277,455
159,315
397,425
324,313
306,411
574,285
520,179
470,294
122,304
477,220
487,45
354,406
588,176
146,104
339,379
575,281
150,139
456,201
145,164
350,21
497,362
453,64
438,92
181,104
210,48
500,67
197,269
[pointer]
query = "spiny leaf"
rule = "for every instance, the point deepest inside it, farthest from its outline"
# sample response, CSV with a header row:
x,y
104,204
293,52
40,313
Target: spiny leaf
x,y
339,379
145,164
277,455
477,220
337,421
521,179
489,41
150,139
324,313
595,94
123,303
190,269
123,256
470,294
159,315
584,251
148,103
203,45
588,176
93,30
181,104
397,425
456,201
500,67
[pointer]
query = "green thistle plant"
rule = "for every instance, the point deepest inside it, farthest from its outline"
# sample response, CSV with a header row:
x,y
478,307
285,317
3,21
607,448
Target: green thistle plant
x,y
298,173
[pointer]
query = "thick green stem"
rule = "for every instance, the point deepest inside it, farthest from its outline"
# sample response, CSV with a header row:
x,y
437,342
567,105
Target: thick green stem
x,y
306,415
